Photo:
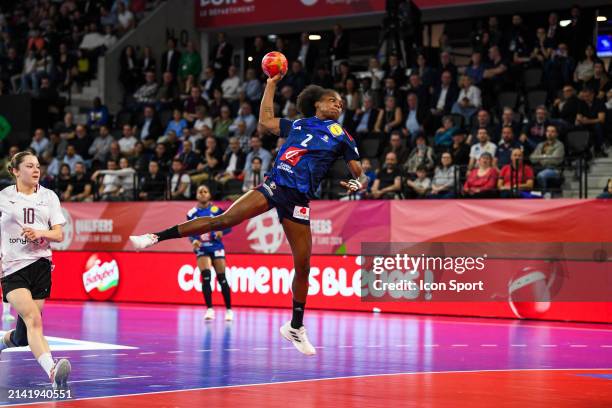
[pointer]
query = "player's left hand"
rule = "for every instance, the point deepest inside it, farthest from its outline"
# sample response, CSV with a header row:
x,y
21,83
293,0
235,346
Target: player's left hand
x,y
218,234
352,185
32,234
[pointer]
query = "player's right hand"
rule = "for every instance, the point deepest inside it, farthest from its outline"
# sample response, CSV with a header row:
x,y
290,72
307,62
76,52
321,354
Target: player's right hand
x,y
196,244
275,79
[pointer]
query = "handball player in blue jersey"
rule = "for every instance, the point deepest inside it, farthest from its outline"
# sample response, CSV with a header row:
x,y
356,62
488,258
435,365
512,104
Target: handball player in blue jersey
x,y
209,252
312,146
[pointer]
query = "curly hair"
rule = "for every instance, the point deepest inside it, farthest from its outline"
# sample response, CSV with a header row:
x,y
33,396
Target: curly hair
x,y
307,98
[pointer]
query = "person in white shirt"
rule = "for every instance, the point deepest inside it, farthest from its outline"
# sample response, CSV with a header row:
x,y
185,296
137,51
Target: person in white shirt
x,y
39,142
483,145
31,218
469,100
124,179
180,183
231,85
128,141
245,114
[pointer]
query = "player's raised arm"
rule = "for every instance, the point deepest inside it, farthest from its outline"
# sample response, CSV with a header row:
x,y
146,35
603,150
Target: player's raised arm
x,y
266,111
359,180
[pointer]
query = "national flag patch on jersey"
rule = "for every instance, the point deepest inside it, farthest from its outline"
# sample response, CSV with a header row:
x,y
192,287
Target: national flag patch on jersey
x,y
293,155
301,213
214,209
336,129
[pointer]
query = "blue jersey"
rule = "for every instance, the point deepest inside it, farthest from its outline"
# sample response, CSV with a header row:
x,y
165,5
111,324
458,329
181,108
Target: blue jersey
x,y
209,240
311,148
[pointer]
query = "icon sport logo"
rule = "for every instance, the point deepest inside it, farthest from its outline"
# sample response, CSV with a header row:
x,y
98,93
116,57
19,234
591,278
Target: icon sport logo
x,y
336,129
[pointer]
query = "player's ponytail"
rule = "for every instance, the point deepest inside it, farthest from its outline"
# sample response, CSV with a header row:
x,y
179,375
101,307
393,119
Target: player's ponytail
x,y
16,160
307,98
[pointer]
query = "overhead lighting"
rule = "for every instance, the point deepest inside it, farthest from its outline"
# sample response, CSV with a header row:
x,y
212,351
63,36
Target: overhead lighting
x,y
314,37
250,59
272,37
565,23
601,19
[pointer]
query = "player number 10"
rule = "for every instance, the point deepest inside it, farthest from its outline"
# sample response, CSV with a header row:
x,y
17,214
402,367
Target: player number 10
x,y
28,216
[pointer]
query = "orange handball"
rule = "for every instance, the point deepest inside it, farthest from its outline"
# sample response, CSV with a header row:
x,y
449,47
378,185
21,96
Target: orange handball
x,y
273,63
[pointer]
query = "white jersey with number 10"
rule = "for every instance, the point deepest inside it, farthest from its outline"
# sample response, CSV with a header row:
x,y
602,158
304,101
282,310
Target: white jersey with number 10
x,y
40,210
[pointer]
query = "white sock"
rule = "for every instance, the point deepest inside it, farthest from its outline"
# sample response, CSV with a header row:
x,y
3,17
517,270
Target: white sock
x,y
6,308
3,344
46,362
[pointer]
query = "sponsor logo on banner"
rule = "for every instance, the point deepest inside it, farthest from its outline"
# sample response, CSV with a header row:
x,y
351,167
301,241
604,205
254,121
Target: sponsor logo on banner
x,y
265,232
68,233
301,213
101,276
214,8
309,2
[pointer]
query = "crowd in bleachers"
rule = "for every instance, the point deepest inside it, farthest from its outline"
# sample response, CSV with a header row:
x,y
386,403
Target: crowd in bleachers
x,y
506,124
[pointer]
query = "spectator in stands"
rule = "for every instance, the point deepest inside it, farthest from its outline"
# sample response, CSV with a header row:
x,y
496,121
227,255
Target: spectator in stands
x,y
168,93
365,119
123,179
231,85
252,86
421,154
211,162
129,71
147,93
339,49
534,131
192,103
254,175
177,124
188,157
147,62
416,118
425,71
323,78
506,146
352,94
296,78
150,126
223,123
221,55
82,142
566,107
388,180
421,185
368,170
258,151
547,159
109,185
125,18
245,114
482,180
508,119
494,76
127,141
287,99
39,142
395,71
607,193
79,188
308,53
233,161
459,150
443,182
415,85
446,64
56,148
592,116
586,67
375,73
516,177
389,118
62,181
559,70
468,101
64,67
484,145
98,115
180,184
543,47
483,120
599,83
190,63
153,185
202,119
444,135
29,79
395,146
71,158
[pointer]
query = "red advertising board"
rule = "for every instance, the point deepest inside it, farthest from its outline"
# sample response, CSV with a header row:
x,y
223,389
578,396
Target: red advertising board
x,y
265,280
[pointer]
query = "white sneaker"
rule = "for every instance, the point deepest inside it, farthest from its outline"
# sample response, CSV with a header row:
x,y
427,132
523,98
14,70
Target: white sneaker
x,y
229,315
8,317
210,314
143,241
299,338
59,373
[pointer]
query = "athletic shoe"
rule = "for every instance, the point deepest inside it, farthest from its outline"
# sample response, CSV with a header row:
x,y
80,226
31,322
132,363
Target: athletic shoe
x,y
7,317
210,314
229,315
59,373
143,241
299,338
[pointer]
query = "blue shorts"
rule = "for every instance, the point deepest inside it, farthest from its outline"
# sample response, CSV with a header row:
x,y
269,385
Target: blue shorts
x,y
213,252
289,202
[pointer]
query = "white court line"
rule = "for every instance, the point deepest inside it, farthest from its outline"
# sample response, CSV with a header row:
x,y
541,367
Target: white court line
x,y
90,355
104,379
374,346
459,345
175,352
488,345
578,345
548,345
322,379
119,354
606,345
204,350
518,345
431,345
404,345
260,348
345,346
287,348
144,353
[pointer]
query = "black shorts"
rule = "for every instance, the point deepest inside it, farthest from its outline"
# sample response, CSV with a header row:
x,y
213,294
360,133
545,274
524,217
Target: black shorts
x,y
35,277
289,202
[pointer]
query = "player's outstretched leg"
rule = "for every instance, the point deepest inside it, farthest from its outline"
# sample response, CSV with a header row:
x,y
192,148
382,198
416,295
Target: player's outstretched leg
x,y
300,240
248,206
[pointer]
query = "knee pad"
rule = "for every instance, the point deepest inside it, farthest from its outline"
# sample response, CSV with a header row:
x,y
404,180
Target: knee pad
x,y
206,275
221,279
19,336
